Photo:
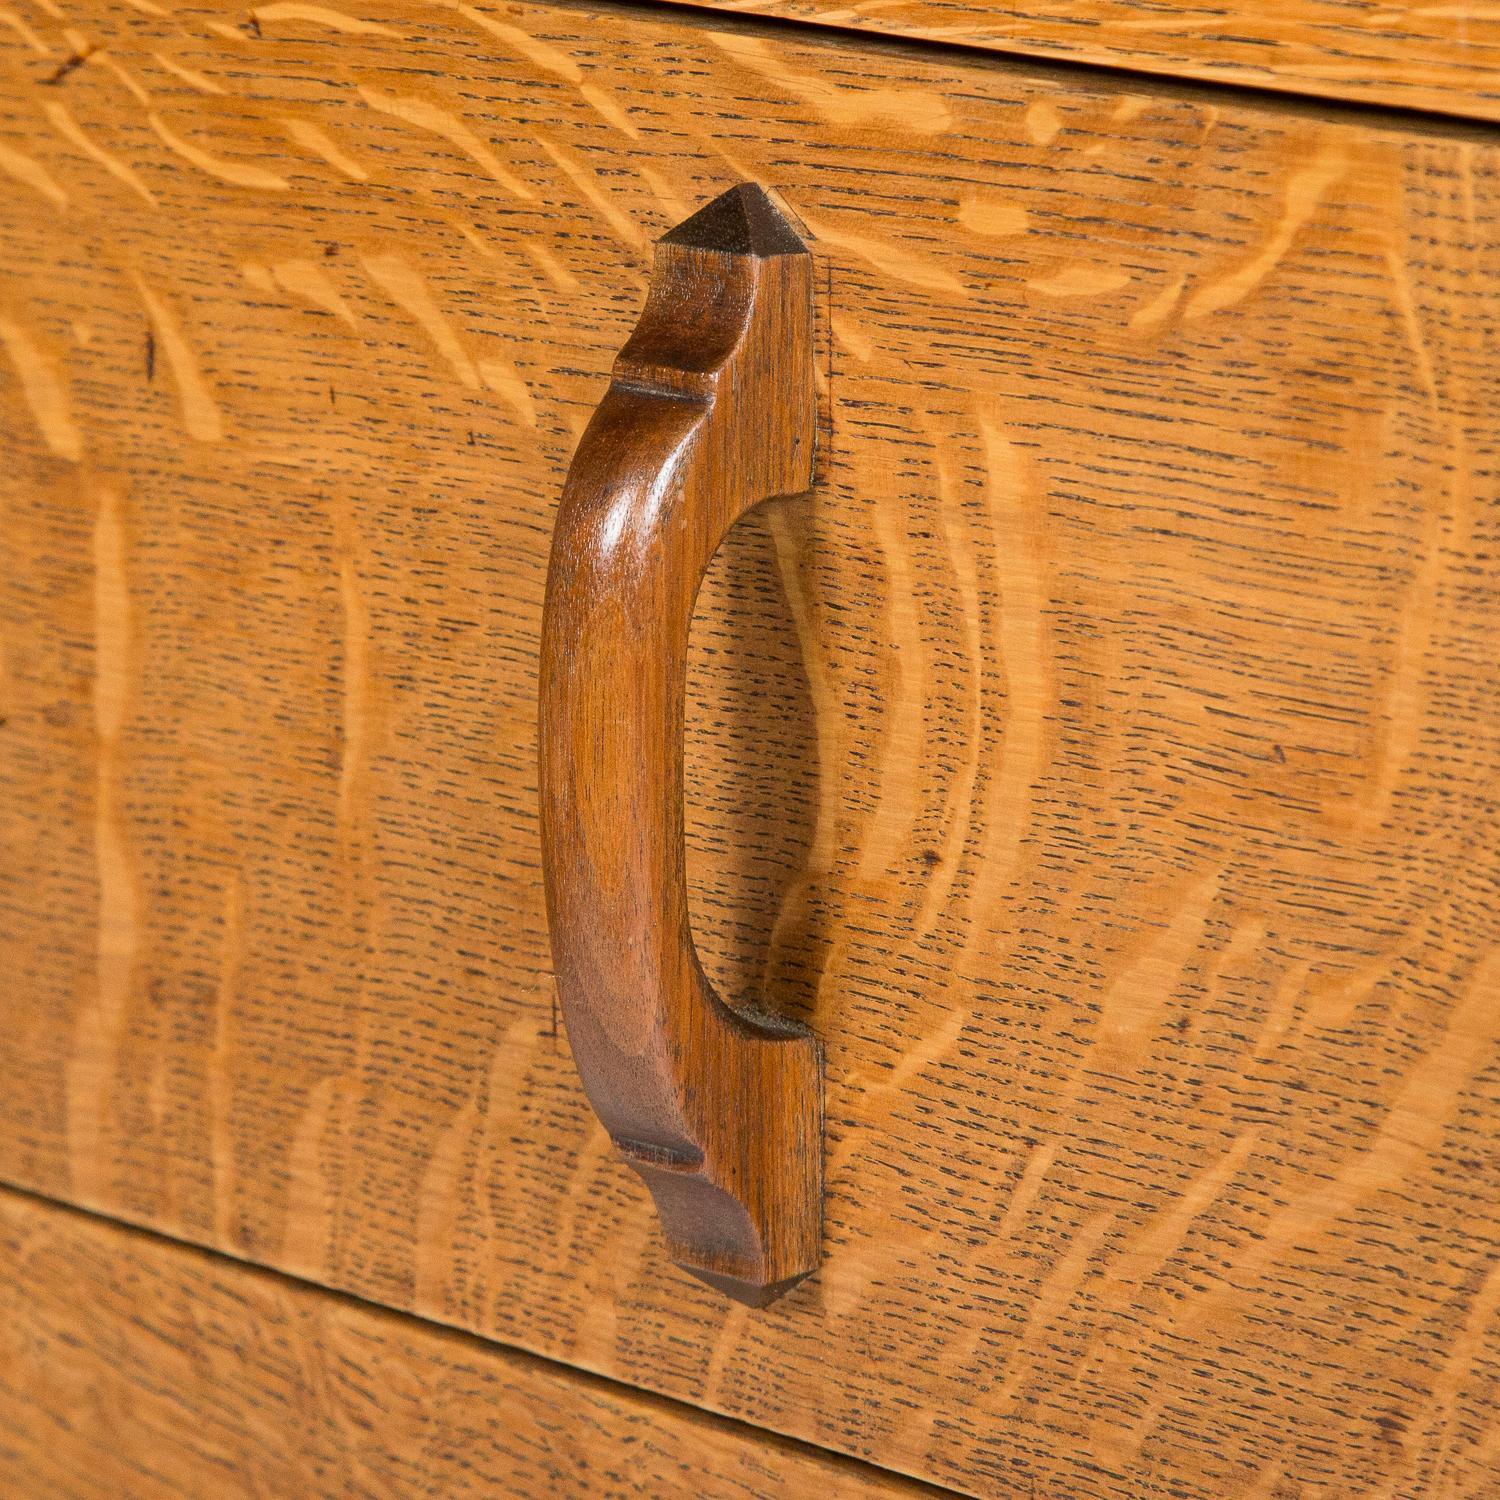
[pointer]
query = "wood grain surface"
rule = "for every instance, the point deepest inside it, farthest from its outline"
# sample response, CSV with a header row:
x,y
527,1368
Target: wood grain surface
x,y
1407,53
1104,761
1410,54
132,1367
711,410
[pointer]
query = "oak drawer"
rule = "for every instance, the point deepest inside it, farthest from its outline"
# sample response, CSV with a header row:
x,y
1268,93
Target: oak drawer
x,y
1442,58
1102,761
131,1366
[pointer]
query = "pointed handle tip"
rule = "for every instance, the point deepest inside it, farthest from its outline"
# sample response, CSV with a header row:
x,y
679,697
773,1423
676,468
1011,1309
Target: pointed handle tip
x,y
742,221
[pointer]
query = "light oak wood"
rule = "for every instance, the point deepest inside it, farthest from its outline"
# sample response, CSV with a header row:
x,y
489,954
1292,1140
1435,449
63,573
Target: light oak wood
x,y
134,1367
1410,54
1127,830
710,412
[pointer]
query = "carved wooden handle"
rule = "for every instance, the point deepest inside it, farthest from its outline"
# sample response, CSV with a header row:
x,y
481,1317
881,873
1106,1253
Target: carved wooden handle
x,y
710,411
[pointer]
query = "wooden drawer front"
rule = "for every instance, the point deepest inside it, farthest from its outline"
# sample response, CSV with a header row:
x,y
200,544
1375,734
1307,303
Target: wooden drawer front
x,y
131,1366
1145,897
1444,58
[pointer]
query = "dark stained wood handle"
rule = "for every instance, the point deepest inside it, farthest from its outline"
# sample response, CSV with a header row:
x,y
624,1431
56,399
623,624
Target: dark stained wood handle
x,y
711,410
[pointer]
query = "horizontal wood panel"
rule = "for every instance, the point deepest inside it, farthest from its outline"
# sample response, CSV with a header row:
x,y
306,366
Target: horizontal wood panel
x,y
1444,58
132,1366
1103,761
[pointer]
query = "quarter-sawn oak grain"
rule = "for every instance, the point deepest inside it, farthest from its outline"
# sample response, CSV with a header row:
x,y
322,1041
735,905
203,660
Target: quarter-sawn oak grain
x,y
131,1367
710,412
1127,832
1443,57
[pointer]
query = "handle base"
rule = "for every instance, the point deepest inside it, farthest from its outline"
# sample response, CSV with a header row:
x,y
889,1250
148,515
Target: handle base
x,y
752,1294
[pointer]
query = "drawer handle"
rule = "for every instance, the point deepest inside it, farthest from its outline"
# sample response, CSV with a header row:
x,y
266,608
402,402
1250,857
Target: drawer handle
x,y
710,411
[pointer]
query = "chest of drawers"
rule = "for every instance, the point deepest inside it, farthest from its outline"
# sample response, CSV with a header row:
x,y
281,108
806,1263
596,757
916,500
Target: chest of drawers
x,y
1100,760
